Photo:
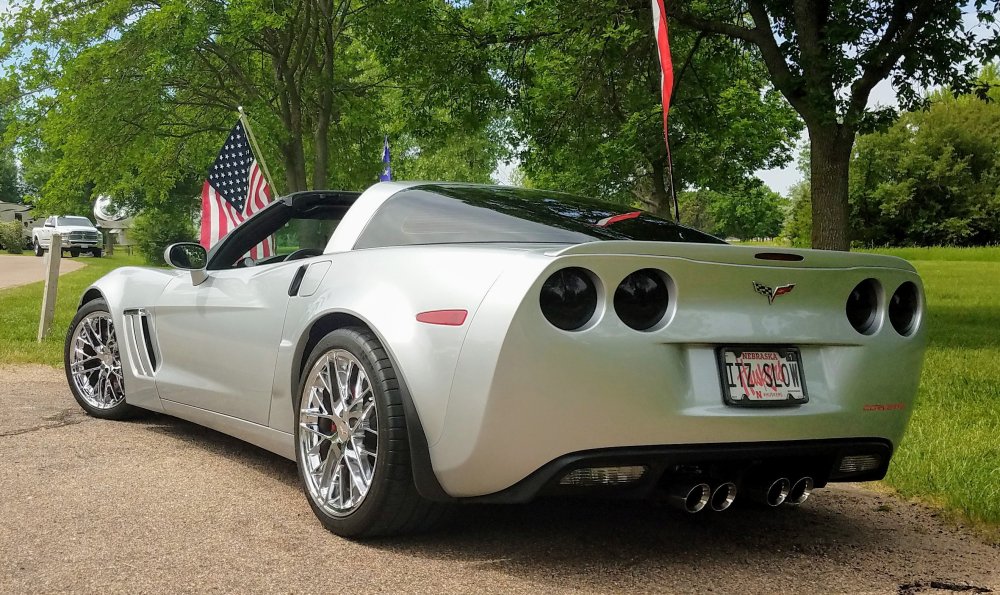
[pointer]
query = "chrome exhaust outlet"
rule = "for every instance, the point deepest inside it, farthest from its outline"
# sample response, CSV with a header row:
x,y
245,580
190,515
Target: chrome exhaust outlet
x,y
772,494
689,496
723,496
800,491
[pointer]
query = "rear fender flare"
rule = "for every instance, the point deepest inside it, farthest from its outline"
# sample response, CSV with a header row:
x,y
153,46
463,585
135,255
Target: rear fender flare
x,y
424,478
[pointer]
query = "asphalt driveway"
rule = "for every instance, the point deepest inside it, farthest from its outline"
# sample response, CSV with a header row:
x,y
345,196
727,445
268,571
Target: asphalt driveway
x,y
28,268
161,505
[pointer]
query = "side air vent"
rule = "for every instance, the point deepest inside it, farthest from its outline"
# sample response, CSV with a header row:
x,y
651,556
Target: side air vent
x,y
783,256
139,342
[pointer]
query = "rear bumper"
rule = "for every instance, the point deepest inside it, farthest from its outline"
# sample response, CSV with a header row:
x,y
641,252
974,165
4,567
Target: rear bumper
x,y
819,459
543,393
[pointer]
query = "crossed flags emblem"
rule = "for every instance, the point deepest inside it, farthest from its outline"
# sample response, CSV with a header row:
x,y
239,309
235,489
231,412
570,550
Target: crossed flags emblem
x,y
771,293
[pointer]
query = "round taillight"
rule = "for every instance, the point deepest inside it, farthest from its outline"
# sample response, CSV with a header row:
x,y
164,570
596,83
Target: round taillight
x,y
903,307
569,298
862,306
642,298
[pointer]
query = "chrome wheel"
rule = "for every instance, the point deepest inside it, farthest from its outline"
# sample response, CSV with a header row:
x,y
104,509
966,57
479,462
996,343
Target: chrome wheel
x,y
95,364
338,433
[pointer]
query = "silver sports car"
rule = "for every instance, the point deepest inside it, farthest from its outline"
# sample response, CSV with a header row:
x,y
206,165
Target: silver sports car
x,y
420,344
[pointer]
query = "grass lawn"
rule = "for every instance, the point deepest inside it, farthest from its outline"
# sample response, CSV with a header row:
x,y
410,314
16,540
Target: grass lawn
x,y
951,452
950,455
20,309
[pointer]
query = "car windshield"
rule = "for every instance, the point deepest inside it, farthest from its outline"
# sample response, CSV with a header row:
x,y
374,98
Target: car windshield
x,y
440,214
82,221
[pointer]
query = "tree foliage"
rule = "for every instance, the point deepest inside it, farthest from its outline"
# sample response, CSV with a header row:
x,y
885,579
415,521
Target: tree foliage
x,y
932,178
798,221
132,97
584,80
11,189
747,212
827,56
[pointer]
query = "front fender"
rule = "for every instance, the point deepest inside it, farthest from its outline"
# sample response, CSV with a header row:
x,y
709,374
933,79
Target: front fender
x,y
130,288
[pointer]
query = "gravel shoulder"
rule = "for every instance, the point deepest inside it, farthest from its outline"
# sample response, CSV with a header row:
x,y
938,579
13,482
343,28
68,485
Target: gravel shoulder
x,y
160,504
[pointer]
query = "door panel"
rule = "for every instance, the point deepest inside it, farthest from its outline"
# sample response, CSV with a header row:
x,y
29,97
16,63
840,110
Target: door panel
x,y
219,339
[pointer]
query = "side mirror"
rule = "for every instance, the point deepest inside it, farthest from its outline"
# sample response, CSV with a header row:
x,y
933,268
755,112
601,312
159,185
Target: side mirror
x,y
188,256
47,224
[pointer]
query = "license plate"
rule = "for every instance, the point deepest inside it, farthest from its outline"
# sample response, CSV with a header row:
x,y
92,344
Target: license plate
x,y
764,377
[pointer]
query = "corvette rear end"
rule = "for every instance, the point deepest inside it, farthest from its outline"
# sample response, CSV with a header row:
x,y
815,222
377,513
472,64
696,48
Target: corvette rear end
x,y
699,371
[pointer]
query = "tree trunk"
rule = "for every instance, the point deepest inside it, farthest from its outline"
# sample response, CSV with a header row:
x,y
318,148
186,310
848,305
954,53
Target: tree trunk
x,y
829,161
660,200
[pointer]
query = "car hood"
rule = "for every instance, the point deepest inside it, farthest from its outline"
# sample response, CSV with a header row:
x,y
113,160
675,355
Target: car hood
x,y
70,228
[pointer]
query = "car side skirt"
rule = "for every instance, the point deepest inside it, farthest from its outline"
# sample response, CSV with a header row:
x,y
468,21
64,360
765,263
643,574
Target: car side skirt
x,y
280,443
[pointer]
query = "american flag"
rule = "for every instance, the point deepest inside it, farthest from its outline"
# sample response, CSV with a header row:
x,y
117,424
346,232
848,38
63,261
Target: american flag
x,y
386,175
235,190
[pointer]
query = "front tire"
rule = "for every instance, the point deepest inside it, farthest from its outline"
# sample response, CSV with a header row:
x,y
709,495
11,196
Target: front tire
x,y
74,252
93,363
38,249
351,444
96,252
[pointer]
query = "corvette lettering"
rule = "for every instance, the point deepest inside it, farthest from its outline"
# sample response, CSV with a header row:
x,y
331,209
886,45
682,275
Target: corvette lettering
x,y
771,293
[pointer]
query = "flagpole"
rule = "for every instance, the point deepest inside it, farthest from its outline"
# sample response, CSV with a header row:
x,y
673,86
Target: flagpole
x,y
256,148
666,88
670,175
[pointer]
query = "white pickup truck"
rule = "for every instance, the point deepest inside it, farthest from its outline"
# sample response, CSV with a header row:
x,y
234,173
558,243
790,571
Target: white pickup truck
x,y
78,235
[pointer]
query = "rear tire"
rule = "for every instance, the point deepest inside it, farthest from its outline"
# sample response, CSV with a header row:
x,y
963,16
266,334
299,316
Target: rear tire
x,y
351,443
93,363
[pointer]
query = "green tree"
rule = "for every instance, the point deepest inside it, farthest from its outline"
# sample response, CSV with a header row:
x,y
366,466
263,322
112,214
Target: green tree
x,y
696,208
751,212
10,185
130,98
933,177
798,221
11,189
586,109
826,56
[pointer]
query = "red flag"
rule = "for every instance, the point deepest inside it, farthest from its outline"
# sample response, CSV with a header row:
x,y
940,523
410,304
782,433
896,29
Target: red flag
x,y
666,65
666,86
234,190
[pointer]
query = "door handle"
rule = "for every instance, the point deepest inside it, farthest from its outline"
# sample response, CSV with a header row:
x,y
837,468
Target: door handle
x,y
293,287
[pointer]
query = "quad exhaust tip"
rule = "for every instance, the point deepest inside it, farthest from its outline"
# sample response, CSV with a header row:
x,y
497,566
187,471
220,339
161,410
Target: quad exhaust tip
x,y
800,491
690,496
771,494
723,496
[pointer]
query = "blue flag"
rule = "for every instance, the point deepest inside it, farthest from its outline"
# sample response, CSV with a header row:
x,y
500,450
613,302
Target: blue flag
x,y
387,172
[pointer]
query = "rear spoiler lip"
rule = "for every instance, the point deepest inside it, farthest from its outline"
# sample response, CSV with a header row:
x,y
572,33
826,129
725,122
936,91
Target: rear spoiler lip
x,y
736,255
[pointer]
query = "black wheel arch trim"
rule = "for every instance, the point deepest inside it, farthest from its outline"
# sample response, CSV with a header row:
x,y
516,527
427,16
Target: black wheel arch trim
x,y
92,293
424,478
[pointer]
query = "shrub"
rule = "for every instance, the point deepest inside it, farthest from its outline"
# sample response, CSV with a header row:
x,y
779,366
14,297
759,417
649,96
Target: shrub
x,y
10,236
154,230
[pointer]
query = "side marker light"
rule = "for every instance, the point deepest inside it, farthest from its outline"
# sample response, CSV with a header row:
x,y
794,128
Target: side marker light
x,y
443,317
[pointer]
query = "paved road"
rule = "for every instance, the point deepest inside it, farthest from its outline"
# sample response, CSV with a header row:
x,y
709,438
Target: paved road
x,y
161,505
28,268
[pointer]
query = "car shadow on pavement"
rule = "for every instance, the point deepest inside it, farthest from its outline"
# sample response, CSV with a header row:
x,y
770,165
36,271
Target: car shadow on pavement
x,y
210,441
606,541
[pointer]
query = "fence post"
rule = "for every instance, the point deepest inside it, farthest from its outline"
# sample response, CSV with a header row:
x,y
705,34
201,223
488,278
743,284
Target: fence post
x,y
52,258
